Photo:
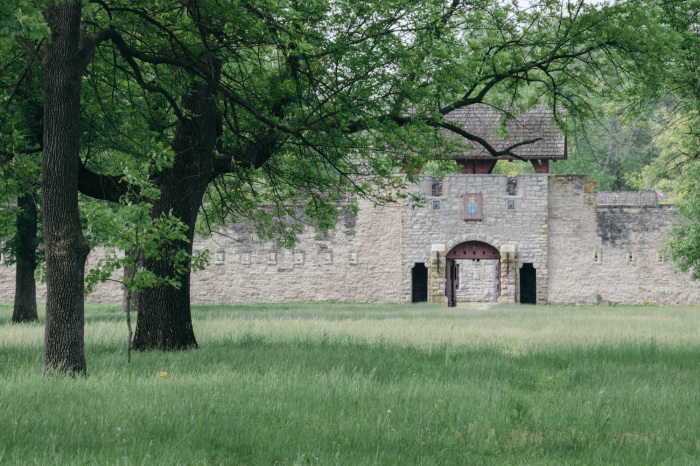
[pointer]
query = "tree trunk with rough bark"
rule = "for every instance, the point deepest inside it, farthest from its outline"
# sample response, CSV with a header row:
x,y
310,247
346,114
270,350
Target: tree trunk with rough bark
x,y
165,320
66,249
25,286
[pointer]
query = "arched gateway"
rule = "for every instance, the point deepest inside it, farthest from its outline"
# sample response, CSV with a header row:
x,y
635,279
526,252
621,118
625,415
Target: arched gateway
x,y
473,273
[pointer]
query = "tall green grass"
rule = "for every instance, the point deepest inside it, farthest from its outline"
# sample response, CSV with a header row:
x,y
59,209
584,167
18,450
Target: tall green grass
x,y
366,384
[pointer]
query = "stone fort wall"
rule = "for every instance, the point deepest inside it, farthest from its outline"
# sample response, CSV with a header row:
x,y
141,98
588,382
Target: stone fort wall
x,y
358,260
611,251
578,248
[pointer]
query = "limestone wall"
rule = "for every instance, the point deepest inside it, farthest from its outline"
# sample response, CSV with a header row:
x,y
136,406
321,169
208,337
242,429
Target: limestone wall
x,y
628,198
109,292
7,280
357,261
611,251
429,231
578,248
477,281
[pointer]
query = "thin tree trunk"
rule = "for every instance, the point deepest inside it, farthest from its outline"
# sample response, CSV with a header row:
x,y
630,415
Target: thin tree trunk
x,y
165,320
25,286
130,299
128,304
66,249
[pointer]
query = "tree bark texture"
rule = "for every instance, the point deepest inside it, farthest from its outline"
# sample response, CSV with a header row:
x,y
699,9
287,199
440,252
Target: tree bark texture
x,y
66,249
25,286
165,320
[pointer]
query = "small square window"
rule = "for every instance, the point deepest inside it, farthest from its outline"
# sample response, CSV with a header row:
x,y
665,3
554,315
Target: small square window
x,y
436,205
511,204
354,258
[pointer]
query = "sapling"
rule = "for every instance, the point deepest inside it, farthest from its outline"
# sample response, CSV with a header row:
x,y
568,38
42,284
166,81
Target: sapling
x,y
130,227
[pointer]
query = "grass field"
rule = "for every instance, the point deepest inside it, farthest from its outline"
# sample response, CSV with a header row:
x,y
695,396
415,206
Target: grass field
x,y
366,384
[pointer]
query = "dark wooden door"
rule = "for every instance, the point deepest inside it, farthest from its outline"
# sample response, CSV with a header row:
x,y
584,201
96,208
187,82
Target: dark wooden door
x,y
452,283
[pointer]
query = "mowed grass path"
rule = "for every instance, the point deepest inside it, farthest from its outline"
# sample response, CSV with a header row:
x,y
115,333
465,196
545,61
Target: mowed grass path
x,y
366,384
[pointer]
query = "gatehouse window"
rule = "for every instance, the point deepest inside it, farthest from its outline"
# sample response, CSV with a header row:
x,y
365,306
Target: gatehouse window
x,y
512,185
436,205
437,187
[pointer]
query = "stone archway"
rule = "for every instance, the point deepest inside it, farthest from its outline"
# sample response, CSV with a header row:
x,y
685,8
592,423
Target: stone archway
x,y
472,273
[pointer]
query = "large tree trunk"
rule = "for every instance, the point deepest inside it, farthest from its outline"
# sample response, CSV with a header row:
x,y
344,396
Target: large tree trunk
x,y
25,286
66,249
165,321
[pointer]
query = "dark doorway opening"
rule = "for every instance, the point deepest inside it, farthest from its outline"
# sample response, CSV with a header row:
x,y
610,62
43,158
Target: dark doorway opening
x,y
419,274
528,284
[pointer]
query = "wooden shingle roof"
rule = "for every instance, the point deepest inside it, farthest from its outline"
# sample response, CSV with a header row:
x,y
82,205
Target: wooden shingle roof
x,y
485,122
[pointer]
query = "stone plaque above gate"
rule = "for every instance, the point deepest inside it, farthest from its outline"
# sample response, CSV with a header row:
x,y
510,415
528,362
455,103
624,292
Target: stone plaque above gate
x,y
472,206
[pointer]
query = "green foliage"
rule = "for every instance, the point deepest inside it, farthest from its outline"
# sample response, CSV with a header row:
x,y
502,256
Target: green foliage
x,y
683,245
131,227
335,82
23,18
513,168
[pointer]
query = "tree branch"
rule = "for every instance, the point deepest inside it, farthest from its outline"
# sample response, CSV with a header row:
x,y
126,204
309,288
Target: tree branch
x,y
88,44
31,51
105,187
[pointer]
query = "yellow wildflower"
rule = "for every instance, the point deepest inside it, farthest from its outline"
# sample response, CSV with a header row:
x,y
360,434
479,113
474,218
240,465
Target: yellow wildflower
x,y
163,373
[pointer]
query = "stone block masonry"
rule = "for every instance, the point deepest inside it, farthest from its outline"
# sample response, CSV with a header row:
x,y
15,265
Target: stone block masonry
x,y
356,261
477,281
579,250
610,251
515,224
